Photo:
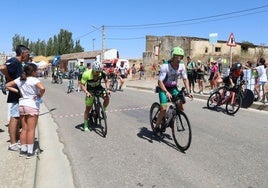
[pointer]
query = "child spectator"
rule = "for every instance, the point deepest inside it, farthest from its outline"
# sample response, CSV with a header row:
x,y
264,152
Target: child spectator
x,y
31,90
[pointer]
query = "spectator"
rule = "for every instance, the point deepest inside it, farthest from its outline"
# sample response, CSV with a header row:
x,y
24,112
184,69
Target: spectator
x,y
262,79
191,67
12,69
31,90
141,70
200,70
213,75
154,70
133,71
88,66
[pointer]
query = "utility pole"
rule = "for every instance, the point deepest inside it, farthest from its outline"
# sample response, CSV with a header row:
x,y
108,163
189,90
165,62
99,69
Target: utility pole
x,y
93,40
103,46
103,38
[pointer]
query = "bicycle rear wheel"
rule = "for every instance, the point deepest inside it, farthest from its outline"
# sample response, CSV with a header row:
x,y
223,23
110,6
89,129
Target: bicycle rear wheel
x,y
230,108
154,111
181,131
98,119
213,100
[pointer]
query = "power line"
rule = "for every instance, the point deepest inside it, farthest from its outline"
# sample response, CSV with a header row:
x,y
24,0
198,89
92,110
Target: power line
x,y
188,20
192,21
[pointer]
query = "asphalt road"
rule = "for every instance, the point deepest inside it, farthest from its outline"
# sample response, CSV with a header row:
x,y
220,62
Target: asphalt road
x,y
226,151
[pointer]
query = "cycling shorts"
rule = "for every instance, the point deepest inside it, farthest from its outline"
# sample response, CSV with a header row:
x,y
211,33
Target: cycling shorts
x,y
89,100
79,77
163,97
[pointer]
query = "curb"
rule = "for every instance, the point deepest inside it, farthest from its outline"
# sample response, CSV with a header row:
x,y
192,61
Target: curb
x,y
255,105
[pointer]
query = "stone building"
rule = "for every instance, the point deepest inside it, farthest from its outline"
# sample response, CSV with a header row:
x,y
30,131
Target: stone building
x,y
159,48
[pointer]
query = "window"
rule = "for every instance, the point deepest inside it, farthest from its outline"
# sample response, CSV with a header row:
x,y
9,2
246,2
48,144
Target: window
x,y
206,50
217,49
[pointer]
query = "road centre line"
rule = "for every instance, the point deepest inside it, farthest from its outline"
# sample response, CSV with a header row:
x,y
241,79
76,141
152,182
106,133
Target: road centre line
x,y
108,111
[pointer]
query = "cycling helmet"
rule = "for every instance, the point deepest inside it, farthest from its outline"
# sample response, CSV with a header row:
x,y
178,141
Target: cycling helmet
x,y
177,51
97,66
237,66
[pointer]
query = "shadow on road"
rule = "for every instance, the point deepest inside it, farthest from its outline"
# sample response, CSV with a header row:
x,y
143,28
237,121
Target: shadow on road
x,y
218,109
96,128
150,137
52,109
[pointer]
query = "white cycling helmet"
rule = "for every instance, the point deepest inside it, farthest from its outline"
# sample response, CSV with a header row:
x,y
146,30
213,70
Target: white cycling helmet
x,y
97,66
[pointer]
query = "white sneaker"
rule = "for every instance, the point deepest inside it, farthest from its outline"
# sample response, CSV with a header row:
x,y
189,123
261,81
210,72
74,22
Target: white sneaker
x,y
14,147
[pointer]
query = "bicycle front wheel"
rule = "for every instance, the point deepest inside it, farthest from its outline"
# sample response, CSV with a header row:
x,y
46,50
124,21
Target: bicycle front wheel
x,y
114,85
181,131
232,108
102,119
154,111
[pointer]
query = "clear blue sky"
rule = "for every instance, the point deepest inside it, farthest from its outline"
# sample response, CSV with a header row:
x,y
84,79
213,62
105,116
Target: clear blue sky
x,y
128,22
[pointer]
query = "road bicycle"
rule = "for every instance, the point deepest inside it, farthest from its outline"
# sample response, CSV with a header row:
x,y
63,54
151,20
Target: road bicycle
x,y
231,97
97,115
70,86
113,82
57,78
176,119
3,84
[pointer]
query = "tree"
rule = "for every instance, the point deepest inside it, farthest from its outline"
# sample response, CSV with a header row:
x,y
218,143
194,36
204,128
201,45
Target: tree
x,y
65,42
49,51
78,47
56,45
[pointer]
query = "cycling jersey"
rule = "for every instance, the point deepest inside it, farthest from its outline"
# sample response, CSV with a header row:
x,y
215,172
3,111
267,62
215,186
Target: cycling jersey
x,y
170,76
122,69
88,78
234,75
81,69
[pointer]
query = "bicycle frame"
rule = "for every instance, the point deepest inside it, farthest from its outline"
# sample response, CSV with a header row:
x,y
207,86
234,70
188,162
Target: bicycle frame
x,y
97,115
176,119
233,101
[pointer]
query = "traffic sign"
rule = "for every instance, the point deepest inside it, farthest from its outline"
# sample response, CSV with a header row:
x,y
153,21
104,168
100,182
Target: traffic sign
x,y
231,40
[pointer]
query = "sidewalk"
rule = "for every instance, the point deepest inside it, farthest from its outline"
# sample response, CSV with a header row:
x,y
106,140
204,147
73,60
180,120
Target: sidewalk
x,y
15,171
50,169
150,83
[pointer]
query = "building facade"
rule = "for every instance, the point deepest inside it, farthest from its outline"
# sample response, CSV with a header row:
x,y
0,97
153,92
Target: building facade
x,y
159,48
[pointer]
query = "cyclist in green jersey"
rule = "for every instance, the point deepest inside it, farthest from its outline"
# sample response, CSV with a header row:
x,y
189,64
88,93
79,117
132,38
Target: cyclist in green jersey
x,y
90,82
81,69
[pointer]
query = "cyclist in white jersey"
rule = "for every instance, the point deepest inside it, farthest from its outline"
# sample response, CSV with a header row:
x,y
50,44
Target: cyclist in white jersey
x,y
170,72
122,72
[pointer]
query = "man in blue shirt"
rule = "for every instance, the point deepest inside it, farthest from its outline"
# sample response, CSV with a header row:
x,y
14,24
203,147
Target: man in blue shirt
x,y
12,69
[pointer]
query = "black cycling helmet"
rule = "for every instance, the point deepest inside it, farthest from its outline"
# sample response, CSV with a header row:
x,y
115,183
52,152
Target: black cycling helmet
x,y
237,66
